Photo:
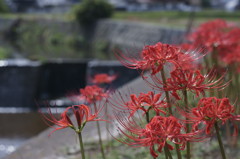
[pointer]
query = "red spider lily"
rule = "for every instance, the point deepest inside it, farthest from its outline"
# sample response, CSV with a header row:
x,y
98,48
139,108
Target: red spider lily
x,y
152,57
230,54
230,47
145,102
189,60
91,94
81,112
211,110
191,80
103,78
210,34
186,62
190,57
160,131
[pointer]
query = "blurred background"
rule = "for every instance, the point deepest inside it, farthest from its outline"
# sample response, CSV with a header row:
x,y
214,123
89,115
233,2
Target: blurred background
x,y
49,48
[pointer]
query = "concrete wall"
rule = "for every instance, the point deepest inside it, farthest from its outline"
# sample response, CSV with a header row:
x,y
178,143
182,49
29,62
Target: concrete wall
x,y
26,84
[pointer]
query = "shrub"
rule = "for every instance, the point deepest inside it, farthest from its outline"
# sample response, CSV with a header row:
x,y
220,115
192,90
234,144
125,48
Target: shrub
x,y
3,7
89,11
4,53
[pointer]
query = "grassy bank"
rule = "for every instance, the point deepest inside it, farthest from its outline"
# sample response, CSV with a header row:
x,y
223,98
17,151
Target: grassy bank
x,y
177,18
62,17
165,18
205,14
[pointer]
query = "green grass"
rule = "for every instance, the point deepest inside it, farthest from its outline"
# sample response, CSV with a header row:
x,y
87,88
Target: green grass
x,y
144,16
177,14
174,19
62,17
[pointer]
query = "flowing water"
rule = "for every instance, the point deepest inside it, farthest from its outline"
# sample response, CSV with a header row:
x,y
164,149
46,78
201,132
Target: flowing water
x,y
8,145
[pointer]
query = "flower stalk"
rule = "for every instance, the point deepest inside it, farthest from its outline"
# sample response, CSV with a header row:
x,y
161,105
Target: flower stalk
x,y
170,109
100,140
81,145
187,125
168,152
99,135
166,92
220,141
165,153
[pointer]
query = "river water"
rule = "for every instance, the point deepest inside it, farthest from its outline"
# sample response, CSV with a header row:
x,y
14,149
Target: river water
x,y
8,145
17,126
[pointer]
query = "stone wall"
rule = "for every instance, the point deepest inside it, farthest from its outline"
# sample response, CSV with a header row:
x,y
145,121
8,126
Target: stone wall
x,y
123,34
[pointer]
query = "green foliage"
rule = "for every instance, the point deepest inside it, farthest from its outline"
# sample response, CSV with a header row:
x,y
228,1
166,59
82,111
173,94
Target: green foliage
x,y
41,43
89,11
101,50
3,7
4,53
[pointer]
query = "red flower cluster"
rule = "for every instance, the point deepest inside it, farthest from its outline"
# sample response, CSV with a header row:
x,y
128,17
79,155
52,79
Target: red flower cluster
x,y
91,94
209,34
211,110
189,80
220,38
81,112
103,78
144,102
229,51
188,60
160,131
152,57
185,75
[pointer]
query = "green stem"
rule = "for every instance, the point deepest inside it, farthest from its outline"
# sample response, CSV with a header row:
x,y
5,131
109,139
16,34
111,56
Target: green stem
x,y
215,57
170,109
187,125
148,120
99,135
166,92
236,84
100,140
220,141
206,58
216,66
147,117
168,152
228,132
81,145
108,134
